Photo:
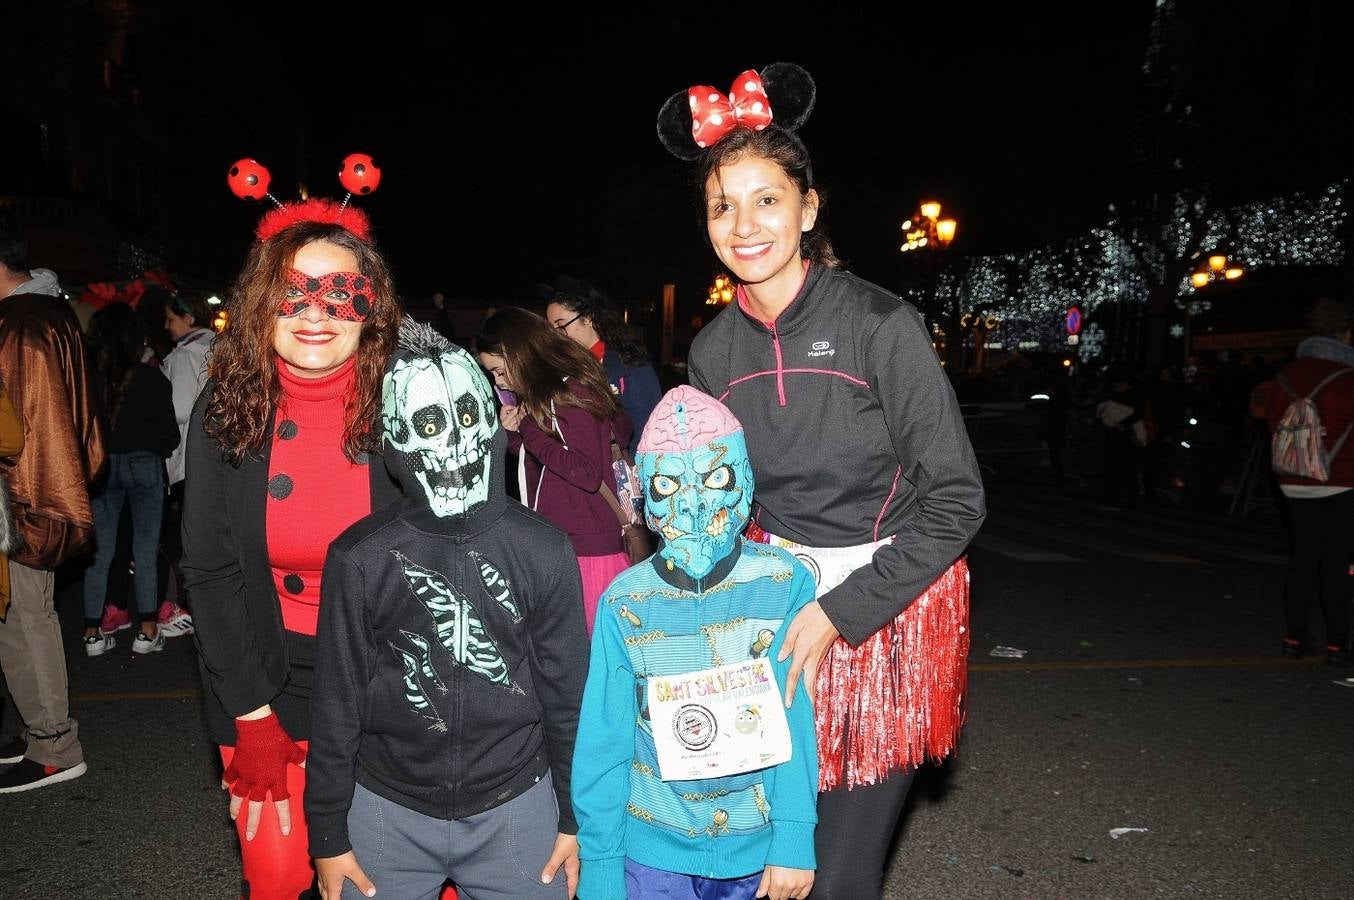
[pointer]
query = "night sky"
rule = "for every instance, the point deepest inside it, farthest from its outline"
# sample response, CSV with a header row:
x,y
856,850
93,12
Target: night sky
x,y
545,159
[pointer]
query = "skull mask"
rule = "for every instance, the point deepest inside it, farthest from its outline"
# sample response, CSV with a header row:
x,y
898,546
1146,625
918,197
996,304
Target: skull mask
x,y
438,415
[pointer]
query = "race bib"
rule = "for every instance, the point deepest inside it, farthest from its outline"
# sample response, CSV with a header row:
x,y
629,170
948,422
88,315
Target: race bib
x,y
829,566
721,721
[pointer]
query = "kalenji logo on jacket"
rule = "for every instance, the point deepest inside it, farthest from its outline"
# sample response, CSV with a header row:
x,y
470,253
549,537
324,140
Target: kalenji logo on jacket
x,y
822,348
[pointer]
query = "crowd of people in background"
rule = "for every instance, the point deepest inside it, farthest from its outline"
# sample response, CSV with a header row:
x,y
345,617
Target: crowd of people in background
x,y
1143,437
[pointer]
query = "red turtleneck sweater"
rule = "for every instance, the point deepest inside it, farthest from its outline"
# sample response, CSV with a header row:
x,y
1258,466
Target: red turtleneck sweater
x,y
314,492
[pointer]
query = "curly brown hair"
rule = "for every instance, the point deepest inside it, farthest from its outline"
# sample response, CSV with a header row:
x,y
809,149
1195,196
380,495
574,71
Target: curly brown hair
x,y
540,358
243,365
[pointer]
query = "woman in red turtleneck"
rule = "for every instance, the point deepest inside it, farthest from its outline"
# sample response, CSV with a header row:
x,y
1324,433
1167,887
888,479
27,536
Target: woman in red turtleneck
x,y
281,458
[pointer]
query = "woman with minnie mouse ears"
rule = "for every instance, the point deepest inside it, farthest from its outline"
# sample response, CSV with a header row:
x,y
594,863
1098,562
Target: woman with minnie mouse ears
x,y
863,467
281,458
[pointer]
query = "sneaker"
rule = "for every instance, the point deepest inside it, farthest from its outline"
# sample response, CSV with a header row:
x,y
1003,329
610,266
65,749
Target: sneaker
x,y
27,775
1344,682
146,644
99,644
174,620
1293,649
115,619
1341,659
13,751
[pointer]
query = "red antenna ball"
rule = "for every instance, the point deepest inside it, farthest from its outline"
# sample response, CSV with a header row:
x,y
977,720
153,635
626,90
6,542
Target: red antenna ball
x,y
359,175
248,180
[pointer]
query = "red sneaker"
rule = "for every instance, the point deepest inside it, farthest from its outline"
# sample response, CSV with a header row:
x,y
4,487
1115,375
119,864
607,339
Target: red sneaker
x,y
115,619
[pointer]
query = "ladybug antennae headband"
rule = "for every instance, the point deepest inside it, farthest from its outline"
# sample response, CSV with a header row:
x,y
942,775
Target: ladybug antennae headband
x,y
249,180
694,120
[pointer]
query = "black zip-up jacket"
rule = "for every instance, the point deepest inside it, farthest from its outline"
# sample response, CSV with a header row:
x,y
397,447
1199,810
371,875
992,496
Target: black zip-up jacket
x,y
454,720
854,434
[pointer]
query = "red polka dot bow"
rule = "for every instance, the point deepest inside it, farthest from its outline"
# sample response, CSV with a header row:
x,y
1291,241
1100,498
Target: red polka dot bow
x,y
714,115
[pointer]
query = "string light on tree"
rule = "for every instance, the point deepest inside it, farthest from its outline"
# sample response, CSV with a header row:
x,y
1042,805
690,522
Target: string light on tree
x,y
1031,292
1092,342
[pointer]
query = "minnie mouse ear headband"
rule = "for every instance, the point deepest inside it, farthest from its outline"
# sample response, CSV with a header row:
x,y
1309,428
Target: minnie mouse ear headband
x,y
249,180
693,120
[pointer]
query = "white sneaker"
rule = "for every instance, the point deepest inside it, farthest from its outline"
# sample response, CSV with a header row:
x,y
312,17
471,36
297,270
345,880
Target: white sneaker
x,y
173,620
99,644
145,644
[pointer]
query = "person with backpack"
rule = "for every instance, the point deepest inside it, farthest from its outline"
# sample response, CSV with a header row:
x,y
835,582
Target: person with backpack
x,y
1310,417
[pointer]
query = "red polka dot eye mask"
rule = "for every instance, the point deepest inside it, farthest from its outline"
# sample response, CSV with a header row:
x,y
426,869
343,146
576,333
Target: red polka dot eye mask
x,y
340,295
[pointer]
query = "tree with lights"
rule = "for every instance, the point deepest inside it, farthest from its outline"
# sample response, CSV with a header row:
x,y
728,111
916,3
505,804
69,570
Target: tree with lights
x,y
1131,277
1164,223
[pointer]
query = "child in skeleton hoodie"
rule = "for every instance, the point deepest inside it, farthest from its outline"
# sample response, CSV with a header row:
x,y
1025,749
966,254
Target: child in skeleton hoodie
x,y
453,654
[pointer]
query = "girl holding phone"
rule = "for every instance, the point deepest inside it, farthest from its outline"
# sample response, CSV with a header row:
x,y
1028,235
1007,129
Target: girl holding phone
x,y
561,428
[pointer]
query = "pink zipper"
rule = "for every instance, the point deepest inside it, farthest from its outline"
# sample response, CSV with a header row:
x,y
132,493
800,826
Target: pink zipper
x,y
780,363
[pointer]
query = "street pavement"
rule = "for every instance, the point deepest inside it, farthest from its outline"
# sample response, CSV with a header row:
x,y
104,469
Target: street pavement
x,y
1144,739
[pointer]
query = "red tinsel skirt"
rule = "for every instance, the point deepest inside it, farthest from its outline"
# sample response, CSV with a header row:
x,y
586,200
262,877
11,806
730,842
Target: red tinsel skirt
x,y
899,699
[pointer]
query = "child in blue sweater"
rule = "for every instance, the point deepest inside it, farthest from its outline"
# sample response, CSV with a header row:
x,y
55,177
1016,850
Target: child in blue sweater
x,y
690,777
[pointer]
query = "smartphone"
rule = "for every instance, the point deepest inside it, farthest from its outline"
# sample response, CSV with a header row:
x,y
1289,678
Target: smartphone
x,y
506,397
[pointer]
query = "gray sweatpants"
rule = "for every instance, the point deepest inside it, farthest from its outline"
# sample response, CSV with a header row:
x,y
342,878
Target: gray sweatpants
x,y
495,855
34,662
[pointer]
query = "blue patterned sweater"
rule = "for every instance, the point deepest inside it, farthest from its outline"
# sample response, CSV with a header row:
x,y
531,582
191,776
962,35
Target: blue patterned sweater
x,y
652,622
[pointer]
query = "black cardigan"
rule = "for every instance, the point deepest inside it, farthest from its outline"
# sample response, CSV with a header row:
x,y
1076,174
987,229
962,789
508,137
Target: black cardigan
x,y
247,657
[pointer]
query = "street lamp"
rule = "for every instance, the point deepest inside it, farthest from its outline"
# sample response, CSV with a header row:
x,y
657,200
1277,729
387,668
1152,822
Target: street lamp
x,y
1210,269
927,229
721,292
1218,266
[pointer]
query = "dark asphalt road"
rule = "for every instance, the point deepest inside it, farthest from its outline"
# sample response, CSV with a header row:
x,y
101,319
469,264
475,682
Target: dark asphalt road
x,y
1150,697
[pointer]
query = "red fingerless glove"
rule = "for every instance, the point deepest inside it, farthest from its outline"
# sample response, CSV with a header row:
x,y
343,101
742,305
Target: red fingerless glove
x,y
259,766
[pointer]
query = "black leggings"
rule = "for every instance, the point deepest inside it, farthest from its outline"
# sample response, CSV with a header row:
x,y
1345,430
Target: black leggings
x,y
1322,530
854,837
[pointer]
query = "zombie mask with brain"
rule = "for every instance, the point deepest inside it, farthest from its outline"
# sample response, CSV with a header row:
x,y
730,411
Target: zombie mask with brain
x,y
693,464
438,416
